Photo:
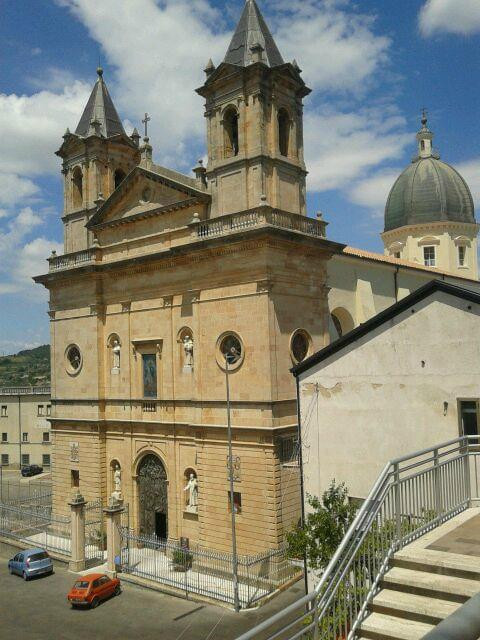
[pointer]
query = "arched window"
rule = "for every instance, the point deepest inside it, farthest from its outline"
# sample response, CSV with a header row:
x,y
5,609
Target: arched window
x,y
230,124
77,183
119,177
283,132
342,321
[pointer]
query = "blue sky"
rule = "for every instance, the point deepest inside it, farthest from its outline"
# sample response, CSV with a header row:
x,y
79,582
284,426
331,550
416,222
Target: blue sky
x,y
372,66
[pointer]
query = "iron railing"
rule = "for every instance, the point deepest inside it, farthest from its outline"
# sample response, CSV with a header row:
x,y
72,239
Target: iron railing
x,y
204,571
95,534
414,494
36,526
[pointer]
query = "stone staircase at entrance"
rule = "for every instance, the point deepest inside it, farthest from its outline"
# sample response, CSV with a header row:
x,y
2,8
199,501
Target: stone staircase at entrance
x,y
427,583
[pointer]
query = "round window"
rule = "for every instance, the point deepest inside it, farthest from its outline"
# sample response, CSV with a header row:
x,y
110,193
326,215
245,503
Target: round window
x,y
300,345
74,359
230,349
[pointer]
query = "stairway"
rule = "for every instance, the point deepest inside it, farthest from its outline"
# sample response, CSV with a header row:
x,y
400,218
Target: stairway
x,y
421,589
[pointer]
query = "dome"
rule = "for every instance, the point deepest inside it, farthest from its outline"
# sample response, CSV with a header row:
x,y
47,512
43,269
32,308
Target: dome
x,y
429,190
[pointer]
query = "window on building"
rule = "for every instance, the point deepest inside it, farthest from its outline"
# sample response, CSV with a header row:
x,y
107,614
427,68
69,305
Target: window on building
x,y
77,186
462,252
149,366
4,437
5,460
25,459
25,436
283,132
429,256
46,436
48,410
288,449
237,502
3,411
40,410
119,177
468,410
75,478
397,255
230,124
45,460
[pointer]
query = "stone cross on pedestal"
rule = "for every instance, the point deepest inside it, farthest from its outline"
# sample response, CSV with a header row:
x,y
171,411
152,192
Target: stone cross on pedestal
x,y
145,121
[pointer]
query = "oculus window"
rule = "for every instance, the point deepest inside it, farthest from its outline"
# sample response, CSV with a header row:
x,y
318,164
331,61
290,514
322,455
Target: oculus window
x,y
74,359
300,345
230,345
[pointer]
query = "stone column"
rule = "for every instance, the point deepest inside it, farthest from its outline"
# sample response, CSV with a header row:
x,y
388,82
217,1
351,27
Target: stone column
x,y
112,516
77,509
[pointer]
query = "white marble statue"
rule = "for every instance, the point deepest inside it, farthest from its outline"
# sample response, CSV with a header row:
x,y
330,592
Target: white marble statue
x,y
117,483
192,487
116,354
188,348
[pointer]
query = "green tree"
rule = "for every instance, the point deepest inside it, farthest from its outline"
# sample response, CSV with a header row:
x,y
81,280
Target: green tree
x,y
325,527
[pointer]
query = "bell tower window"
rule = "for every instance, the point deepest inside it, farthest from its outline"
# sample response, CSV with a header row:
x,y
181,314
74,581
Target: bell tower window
x,y
231,133
429,256
283,132
77,183
119,177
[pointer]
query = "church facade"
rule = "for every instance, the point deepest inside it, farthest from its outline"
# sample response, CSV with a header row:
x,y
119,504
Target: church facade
x,y
165,276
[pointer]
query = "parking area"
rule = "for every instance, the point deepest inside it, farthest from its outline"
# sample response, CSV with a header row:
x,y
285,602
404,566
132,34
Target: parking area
x,y
38,610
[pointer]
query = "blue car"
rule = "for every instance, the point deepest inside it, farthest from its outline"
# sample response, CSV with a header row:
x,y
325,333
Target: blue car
x,y
31,562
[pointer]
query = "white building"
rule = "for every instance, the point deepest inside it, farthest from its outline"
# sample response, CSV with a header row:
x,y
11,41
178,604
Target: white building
x,y
406,379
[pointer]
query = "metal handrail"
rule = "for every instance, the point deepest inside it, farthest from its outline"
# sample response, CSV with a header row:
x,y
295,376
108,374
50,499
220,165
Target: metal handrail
x,y
413,494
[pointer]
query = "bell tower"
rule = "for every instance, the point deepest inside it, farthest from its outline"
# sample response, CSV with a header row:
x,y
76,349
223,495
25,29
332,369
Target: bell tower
x,y
254,113
96,158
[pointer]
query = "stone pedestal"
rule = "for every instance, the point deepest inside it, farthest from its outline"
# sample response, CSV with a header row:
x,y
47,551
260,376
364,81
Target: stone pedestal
x,y
112,517
77,509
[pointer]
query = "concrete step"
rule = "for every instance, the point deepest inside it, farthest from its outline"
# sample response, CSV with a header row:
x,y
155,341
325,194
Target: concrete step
x,y
431,585
438,562
413,607
381,627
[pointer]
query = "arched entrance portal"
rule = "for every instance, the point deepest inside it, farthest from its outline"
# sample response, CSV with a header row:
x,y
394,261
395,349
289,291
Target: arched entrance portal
x,y
153,497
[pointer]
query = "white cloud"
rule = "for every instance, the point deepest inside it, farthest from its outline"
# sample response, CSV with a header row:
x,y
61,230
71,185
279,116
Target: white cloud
x,y
342,147
372,192
470,171
450,16
15,189
335,45
22,256
31,128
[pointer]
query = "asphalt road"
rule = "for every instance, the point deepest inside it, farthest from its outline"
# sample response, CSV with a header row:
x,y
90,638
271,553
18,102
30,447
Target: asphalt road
x,y
38,610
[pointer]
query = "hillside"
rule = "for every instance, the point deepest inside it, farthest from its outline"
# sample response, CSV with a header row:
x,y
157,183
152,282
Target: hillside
x,y
29,367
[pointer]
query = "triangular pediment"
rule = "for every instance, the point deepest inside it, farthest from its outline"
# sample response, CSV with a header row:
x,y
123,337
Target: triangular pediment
x,y
145,192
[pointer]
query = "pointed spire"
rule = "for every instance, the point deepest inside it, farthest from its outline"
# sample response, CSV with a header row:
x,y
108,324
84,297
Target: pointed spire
x,y
210,68
252,31
425,138
100,116
135,137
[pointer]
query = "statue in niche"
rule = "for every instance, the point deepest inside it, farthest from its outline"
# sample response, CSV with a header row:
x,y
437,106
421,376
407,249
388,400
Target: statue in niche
x,y
192,487
188,348
116,354
117,483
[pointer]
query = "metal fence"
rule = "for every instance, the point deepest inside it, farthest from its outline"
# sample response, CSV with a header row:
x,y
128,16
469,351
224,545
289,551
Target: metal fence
x,y
95,534
36,526
204,572
15,492
413,495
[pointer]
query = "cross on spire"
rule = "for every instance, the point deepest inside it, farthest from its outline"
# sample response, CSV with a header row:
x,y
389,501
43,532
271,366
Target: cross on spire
x,y
145,121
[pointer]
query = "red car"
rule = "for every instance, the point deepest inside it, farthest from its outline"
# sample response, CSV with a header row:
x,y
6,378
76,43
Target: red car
x,y
89,590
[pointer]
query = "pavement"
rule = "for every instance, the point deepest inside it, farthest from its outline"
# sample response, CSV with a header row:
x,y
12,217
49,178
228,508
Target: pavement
x,y
38,610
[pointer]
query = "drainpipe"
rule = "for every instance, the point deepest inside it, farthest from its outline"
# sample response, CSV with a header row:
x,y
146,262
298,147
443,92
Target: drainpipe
x,y
302,488
19,432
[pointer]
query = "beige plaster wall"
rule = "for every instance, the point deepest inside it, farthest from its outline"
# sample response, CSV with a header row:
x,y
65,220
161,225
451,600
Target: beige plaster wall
x,y
383,396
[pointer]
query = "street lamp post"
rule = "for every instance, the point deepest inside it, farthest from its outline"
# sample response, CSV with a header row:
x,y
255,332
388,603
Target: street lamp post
x,y
231,356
